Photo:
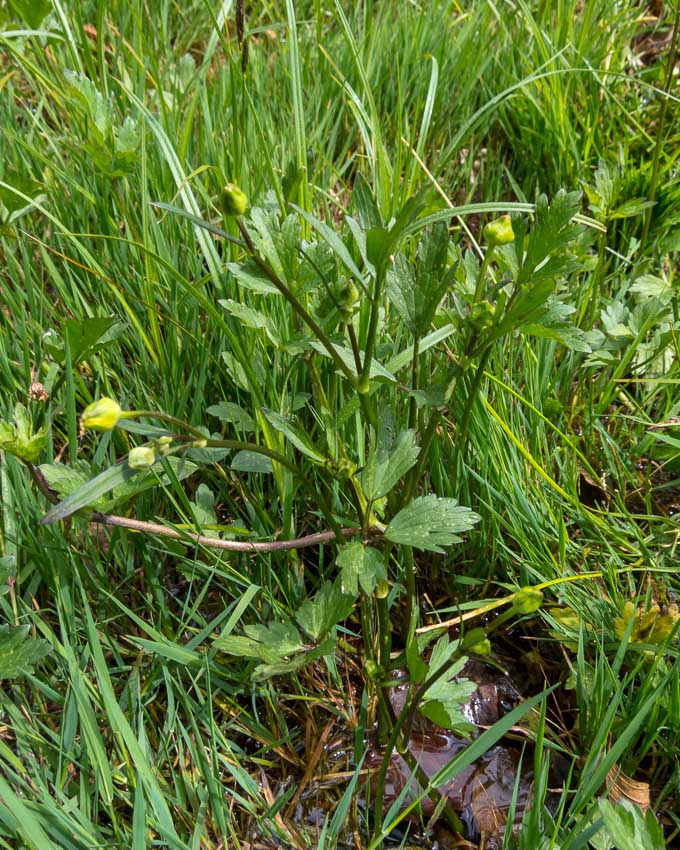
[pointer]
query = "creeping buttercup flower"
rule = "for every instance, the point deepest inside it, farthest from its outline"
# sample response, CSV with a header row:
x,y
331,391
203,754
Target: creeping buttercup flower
x,y
499,231
141,457
102,415
233,200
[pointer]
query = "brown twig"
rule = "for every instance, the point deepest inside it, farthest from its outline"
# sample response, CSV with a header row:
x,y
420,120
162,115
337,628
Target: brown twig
x,y
112,520
316,539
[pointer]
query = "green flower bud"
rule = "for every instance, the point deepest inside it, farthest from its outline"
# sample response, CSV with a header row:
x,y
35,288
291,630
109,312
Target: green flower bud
x,y
471,639
481,648
102,415
481,316
232,200
499,231
382,589
163,445
372,670
344,469
527,600
141,457
348,299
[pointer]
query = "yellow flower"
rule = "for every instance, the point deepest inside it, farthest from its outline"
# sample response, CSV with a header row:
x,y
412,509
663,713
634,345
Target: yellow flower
x,y
102,415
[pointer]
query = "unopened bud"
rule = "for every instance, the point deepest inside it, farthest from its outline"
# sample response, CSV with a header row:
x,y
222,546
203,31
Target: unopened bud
x,y
382,589
349,298
499,231
232,200
102,415
481,648
163,445
481,316
141,457
344,469
373,670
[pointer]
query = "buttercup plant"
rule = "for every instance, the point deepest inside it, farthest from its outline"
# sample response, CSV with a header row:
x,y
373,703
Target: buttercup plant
x,y
248,591
348,291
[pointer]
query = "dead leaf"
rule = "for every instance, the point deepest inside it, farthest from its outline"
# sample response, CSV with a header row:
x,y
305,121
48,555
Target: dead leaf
x,y
622,787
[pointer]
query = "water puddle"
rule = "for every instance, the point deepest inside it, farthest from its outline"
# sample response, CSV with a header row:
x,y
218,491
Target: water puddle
x,y
481,794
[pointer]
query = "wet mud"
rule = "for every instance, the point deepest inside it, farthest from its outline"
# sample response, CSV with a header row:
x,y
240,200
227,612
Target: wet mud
x,y
482,794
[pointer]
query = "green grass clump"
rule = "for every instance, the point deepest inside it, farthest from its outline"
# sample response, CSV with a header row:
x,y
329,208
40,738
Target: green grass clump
x,y
417,364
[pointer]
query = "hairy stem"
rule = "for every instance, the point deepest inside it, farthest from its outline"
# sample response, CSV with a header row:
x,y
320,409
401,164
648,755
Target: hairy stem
x,y
295,304
317,539
469,404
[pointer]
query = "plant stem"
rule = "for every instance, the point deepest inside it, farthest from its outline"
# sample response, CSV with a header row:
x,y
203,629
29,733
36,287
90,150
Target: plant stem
x,y
369,411
469,404
410,584
413,407
317,539
592,298
355,346
417,471
238,445
399,740
384,632
479,288
409,710
372,332
184,427
296,305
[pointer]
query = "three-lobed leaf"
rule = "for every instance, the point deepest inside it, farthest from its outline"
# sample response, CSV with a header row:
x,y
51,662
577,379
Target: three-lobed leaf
x,y
88,335
416,292
229,411
294,435
31,12
333,240
627,827
443,700
360,567
319,614
19,439
429,523
551,234
247,461
280,646
251,277
19,652
384,469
